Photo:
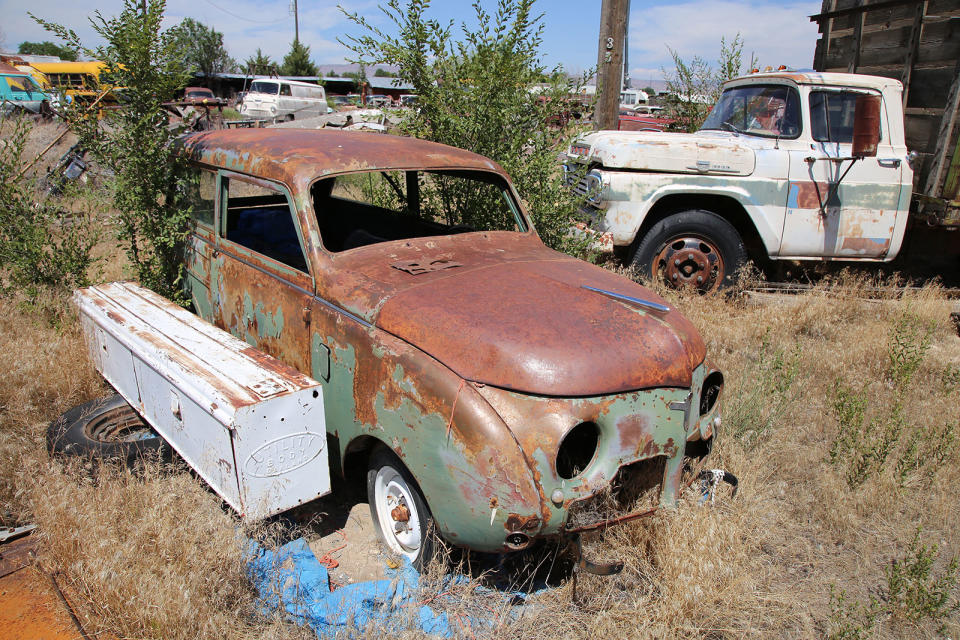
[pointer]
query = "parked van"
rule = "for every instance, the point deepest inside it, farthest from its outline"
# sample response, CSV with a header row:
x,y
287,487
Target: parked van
x,y
19,92
284,100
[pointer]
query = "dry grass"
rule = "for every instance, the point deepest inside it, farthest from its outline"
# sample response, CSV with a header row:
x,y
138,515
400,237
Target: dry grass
x,y
155,555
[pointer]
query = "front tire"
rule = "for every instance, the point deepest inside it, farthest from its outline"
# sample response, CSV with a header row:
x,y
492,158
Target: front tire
x,y
694,248
400,513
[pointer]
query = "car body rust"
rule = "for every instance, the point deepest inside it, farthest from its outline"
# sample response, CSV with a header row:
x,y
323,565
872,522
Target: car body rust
x,y
475,376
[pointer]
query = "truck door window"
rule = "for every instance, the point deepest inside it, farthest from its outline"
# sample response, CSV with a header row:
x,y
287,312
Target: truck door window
x,y
285,90
831,115
260,219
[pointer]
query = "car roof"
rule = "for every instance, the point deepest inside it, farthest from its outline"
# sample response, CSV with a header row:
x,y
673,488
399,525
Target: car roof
x,y
298,156
7,69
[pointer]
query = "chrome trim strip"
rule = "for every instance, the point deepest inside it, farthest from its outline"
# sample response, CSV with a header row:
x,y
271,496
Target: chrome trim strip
x,y
653,306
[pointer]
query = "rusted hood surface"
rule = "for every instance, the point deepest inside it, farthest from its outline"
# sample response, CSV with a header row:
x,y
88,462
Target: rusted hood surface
x,y
704,152
526,323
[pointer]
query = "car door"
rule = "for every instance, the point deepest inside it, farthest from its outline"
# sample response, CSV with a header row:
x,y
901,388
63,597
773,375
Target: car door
x,y
261,285
836,206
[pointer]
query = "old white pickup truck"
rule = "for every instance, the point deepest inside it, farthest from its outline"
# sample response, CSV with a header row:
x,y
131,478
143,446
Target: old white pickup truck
x,y
774,172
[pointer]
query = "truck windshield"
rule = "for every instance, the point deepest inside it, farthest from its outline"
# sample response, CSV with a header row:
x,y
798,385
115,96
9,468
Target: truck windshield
x,y
264,87
771,111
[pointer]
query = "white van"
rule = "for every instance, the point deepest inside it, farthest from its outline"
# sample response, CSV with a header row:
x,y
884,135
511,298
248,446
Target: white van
x,y
284,100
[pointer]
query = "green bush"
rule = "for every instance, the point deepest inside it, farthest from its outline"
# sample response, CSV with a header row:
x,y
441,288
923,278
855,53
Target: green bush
x,y
134,141
867,445
42,245
768,389
914,592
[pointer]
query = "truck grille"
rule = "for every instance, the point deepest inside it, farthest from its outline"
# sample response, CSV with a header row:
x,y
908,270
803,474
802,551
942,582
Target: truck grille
x,y
588,186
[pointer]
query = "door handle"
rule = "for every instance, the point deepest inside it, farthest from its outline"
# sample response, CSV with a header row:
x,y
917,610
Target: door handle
x,y
891,163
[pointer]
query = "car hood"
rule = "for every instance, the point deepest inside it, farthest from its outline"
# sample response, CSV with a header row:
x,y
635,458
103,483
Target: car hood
x,y
703,152
524,320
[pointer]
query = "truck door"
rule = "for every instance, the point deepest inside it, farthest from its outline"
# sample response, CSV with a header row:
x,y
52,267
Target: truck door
x,y
260,278
838,207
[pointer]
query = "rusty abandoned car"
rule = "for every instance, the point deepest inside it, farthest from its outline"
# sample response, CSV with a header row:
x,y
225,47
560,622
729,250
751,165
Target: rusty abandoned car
x,y
487,387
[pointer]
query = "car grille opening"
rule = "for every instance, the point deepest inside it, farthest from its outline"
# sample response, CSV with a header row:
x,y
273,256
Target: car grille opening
x,y
577,449
636,487
710,393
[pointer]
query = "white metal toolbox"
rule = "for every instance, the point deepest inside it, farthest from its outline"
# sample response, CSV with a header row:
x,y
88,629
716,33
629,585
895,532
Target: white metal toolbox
x,y
251,426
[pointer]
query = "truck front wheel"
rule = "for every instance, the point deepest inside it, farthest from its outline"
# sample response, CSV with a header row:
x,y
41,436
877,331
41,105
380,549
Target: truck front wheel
x,y
694,248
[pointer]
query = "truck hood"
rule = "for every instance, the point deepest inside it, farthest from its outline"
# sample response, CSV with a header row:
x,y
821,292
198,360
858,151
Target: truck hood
x,y
698,153
525,322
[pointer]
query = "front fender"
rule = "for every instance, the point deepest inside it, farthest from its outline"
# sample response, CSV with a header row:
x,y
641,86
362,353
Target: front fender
x,y
473,474
630,196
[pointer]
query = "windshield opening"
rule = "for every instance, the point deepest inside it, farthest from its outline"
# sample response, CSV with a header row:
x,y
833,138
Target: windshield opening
x,y
358,209
771,111
259,86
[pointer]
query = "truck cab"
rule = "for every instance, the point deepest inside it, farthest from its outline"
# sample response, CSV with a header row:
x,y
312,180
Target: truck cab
x,y
771,174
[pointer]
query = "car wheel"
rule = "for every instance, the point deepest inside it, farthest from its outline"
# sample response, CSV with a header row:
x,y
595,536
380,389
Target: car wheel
x,y
105,428
400,513
694,248
290,117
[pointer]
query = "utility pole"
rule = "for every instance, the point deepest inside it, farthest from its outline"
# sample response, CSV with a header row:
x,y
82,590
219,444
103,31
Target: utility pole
x,y
613,31
296,23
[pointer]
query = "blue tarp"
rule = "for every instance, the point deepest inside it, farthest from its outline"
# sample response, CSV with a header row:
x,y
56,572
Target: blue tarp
x,y
292,579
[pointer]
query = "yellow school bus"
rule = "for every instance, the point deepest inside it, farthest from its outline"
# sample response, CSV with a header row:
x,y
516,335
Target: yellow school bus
x,y
79,80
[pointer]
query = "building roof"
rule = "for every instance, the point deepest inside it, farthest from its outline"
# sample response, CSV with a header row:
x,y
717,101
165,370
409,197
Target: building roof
x,y
376,82
297,156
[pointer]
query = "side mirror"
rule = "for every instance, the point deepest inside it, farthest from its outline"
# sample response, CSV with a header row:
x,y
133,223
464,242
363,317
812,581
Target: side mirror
x,y
866,126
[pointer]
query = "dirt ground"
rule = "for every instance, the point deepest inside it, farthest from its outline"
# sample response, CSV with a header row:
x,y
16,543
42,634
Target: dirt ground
x,y
346,536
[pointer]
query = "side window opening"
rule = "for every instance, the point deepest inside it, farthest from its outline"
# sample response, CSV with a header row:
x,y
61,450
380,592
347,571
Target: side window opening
x,y
831,115
201,192
359,209
284,89
260,219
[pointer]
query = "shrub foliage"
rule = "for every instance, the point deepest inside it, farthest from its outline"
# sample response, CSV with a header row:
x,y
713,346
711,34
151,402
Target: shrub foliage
x,y
146,68
475,93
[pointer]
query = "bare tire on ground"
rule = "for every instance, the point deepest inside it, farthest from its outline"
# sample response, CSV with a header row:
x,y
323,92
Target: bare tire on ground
x,y
694,248
105,428
400,513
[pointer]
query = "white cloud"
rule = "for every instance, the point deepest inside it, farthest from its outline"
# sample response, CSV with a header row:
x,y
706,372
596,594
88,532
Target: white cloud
x,y
778,33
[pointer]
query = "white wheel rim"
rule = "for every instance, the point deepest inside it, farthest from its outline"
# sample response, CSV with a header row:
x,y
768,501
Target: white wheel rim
x,y
390,492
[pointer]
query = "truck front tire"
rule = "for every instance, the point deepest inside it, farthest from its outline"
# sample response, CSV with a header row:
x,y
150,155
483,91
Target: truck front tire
x,y
694,248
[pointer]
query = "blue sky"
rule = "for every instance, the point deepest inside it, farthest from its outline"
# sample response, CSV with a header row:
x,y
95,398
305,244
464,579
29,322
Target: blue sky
x,y
778,32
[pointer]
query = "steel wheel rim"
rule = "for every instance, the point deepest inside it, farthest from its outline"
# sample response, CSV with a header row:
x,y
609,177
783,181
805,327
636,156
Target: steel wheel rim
x,y
122,424
391,496
690,261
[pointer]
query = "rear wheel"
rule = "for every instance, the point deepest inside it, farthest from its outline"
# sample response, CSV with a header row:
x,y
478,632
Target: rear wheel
x,y
400,513
694,248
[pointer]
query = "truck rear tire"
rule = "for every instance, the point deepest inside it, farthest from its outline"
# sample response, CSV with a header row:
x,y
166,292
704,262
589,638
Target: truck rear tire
x,y
694,248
